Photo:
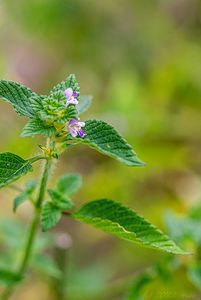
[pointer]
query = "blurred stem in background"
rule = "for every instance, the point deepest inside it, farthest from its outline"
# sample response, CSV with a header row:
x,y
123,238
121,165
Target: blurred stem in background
x,y
33,228
62,258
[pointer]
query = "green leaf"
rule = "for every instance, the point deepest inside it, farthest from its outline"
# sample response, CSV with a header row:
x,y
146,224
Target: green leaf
x,y
194,275
25,195
30,186
12,167
84,104
60,200
36,102
8,277
18,95
65,187
21,198
37,127
50,216
195,212
137,289
183,229
123,222
71,82
104,138
46,265
71,112
69,184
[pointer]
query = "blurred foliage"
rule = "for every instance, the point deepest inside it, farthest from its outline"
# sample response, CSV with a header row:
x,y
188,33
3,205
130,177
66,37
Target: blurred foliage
x,y
141,61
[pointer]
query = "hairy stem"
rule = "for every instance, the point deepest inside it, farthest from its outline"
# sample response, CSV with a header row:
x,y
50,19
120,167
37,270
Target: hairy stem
x,y
33,228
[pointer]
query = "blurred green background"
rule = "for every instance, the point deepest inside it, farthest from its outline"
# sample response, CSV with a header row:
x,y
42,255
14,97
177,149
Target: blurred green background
x,y
141,60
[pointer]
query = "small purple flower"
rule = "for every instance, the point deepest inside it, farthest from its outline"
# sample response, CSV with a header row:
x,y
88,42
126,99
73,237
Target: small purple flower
x,y
75,128
70,97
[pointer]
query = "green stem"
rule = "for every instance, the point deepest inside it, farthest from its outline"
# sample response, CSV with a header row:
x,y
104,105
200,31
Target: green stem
x,y
33,229
36,158
29,244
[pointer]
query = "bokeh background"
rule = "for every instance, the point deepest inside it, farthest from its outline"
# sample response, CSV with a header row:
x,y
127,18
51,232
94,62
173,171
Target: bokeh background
x,y
141,60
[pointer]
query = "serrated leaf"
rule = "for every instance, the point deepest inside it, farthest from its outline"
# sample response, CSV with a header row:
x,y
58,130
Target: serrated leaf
x,y
84,104
71,112
8,277
69,184
104,138
60,200
125,223
12,167
52,109
37,127
21,198
71,82
50,216
18,95
36,102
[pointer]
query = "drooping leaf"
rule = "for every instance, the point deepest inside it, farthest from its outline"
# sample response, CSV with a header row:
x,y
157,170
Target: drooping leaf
x,y
37,127
125,223
104,138
60,200
12,167
69,184
18,95
25,195
71,82
50,216
21,198
8,277
84,104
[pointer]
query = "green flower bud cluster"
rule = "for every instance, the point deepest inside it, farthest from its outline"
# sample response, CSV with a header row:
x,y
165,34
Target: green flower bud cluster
x,y
52,109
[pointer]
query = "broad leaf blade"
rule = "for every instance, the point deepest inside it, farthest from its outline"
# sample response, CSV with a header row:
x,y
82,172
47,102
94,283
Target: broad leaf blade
x,y
37,127
84,104
123,222
18,95
60,200
69,184
12,167
50,216
104,138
